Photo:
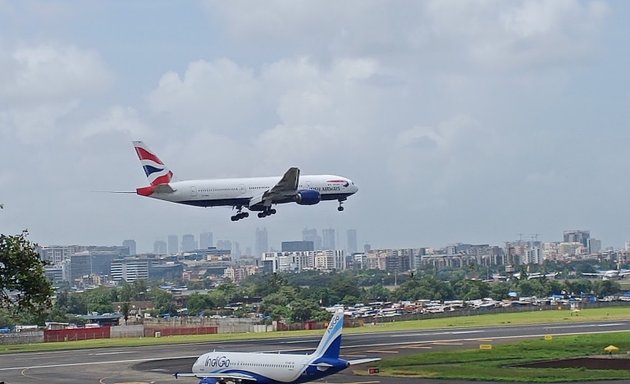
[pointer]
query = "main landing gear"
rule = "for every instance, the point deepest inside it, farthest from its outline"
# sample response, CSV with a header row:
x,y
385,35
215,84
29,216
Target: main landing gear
x,y
267,212
239,215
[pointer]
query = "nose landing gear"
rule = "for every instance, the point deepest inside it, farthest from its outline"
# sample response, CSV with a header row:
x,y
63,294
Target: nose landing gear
x,y
340,207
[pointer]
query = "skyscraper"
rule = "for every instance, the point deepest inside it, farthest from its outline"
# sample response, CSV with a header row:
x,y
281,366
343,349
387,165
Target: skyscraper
x,y
351,244
188,243
206,240
131,244
159,247
328,239
576,236
173,244
310,234
262,242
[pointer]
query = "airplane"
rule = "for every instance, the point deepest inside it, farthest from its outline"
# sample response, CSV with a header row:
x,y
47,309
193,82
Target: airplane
x,y
609,274
256,193
275,368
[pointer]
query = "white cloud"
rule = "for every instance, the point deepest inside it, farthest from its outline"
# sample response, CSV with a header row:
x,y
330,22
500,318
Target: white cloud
x,y
49,73
437,34
124,120
42,84
218,95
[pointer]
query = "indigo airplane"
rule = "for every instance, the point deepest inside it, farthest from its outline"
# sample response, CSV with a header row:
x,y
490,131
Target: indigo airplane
x,y
256,193
276,368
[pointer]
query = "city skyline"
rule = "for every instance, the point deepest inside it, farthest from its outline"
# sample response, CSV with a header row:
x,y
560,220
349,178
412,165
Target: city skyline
x,y
459,122
351,245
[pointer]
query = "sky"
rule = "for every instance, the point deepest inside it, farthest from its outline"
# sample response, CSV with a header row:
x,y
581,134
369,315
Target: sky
x,y
460,121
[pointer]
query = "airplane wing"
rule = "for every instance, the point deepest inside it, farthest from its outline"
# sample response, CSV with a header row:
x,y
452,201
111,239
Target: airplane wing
x,y
363,361
219,376
286,187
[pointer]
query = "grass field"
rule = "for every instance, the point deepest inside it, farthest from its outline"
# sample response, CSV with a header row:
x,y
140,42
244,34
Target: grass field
x,y
498,364
533,317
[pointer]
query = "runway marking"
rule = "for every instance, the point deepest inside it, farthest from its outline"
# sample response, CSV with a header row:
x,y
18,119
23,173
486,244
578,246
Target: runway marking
x,y
374,351
417,347
438,333
356,382
109,353
446,343
585,325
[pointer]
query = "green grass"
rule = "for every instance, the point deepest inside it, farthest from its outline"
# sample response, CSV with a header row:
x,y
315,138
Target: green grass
x,y
531,317
498,364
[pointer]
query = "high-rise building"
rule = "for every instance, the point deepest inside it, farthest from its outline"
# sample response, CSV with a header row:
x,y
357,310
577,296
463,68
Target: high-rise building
x,y
225,245
351,243
55,254
576,236
159,247
130,270
236,250
328,239
297,246
188,243
310,234
173,244
262,242
206,240
594,246
131,244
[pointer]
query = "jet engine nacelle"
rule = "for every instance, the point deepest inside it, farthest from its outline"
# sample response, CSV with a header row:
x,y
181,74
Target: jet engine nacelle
x,y
308,197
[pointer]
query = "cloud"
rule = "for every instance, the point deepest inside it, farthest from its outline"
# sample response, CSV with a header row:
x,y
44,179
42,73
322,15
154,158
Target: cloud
x,y
118,119
218,95
47,73
437,34
43,84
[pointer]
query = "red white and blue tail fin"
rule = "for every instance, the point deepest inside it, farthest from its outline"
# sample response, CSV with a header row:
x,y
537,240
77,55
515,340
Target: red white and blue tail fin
x,y
156,171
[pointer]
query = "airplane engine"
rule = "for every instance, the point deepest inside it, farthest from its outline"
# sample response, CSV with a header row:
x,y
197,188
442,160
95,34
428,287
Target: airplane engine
x,y
308,197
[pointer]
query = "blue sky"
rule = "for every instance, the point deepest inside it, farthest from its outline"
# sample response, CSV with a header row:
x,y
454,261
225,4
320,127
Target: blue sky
x,y
460,121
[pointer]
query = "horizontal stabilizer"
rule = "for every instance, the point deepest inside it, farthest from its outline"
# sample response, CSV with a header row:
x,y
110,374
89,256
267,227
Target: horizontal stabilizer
x,y
178,375
164,188
363,361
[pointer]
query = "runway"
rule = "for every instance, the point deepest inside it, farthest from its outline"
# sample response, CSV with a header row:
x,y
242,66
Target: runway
x,y
155,364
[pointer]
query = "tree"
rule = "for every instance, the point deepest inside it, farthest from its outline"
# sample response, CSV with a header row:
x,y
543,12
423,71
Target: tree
x,y
23,284
124,309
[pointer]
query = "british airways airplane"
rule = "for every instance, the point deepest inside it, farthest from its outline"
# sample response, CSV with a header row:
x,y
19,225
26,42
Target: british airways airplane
x,y
255,194
275,368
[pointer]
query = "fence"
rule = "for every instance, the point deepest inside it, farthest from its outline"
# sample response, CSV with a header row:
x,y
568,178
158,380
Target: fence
x,y
175,331
76,334
29,337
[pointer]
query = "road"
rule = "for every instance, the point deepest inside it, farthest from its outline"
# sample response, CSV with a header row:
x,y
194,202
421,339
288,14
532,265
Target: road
x,y
155,364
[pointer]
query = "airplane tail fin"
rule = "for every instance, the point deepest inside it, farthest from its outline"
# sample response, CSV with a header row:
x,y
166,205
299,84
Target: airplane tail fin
x,y
156,171
330,344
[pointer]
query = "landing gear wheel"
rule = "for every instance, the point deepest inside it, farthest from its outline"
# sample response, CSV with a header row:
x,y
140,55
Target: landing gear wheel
x,y
340,208
239,215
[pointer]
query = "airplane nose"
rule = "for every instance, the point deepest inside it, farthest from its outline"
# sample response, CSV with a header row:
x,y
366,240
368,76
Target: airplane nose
x,y
353,187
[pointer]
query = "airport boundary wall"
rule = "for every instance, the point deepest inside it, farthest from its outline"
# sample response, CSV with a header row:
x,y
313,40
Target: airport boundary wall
x,y
74,334
121,331
22,338
177,331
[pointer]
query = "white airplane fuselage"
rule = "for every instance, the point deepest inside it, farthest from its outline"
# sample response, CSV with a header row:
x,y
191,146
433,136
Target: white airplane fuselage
x,y
267,367
239,191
